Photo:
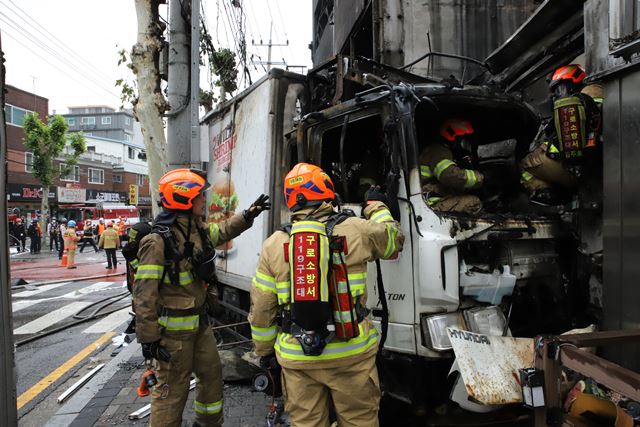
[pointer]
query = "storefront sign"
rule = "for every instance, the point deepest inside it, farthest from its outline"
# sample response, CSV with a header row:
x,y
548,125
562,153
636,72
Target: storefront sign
x,y
26,193
71,195
144,201
96,196
133,194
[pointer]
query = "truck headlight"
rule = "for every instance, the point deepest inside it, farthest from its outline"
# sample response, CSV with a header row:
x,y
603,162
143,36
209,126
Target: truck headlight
x,y
434,329
485,320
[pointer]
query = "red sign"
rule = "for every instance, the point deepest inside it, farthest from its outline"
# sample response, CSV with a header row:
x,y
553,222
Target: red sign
x,y
222,146
306,272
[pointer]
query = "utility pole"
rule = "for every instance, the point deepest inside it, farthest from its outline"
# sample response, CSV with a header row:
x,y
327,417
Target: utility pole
x,y
270,45
8,412
183,135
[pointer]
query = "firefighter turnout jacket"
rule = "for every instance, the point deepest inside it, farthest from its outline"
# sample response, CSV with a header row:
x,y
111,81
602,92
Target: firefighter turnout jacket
x,y
109,239
158,305
369,239
440,175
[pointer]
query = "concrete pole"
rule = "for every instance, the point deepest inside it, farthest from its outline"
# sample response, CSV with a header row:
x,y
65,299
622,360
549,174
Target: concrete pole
x,y
195,85
8,412
179,117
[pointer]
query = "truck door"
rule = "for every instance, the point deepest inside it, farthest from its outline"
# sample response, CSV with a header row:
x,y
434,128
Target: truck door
x,y
355,152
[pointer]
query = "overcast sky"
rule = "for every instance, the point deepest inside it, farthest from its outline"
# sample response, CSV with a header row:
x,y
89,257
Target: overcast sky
x,y
66,50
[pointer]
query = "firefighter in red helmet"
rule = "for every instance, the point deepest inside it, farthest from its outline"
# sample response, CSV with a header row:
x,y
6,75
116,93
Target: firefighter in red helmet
x,y
172,296
308,301
448,169
570,139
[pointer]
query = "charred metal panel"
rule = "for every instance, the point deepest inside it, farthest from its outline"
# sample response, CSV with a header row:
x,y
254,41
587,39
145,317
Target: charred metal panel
x,y
346,14
472,28
622,212
600,60
322,43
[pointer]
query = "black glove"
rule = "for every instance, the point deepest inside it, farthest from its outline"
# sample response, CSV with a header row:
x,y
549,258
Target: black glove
x,y
375,194
269,362
153,350
261,204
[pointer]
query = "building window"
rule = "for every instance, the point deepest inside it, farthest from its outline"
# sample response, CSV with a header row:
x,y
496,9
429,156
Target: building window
x,y
28,162
15,115
624,27
72,176
131,152
106,120
127,121
88,121
96,176
71,121
140,179
127,137
91,149
117,178
88,134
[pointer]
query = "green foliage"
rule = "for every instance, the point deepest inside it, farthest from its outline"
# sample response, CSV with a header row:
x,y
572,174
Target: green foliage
x,y
47,142
207,98
222,63
128,90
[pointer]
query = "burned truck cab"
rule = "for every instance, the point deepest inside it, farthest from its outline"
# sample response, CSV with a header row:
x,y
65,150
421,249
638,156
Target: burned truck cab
x,y
496,272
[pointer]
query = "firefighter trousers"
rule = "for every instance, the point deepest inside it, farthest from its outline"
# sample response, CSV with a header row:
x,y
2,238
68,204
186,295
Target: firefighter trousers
x,y
354,389
540,172
71,257
190,352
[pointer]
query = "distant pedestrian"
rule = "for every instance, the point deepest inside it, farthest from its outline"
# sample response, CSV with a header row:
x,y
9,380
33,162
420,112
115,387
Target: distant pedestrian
x,y
21,234
87,236
61,230
39,236
34,237
110,242
54,229
71,243
122,229
100,227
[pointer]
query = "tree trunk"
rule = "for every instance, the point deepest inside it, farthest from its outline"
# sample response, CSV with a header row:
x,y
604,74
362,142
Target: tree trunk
x,y
151,103
44,210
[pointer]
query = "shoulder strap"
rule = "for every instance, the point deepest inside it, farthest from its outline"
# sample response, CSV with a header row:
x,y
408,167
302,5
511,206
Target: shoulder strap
x,y
172,254
337,219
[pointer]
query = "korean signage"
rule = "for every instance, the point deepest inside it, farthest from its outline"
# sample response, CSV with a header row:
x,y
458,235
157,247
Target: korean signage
x,y
222,145
95,196
306,274
71,195
144,200
133,194
26,193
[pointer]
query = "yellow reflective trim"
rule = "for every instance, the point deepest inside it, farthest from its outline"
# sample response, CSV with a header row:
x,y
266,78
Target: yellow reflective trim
x,y
392,231
333,350
207,408
380,216
264,334
308,227
262,286
174,323
134,263
471,178
184,278
284,293
149,271
442,166
214,233
526,176
425,171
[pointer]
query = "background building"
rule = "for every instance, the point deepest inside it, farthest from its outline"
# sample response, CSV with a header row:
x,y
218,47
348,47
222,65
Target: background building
x,y
105,173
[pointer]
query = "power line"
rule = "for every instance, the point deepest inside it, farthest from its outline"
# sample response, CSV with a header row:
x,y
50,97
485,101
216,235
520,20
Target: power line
x,y
55,66
49,34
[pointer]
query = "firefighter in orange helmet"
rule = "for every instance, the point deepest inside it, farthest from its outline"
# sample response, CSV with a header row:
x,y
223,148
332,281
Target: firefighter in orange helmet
x,y
570,139
173,296
309,314
448,169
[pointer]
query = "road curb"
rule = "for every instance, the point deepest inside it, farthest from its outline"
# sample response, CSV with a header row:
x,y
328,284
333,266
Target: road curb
x,y
74,279
68,413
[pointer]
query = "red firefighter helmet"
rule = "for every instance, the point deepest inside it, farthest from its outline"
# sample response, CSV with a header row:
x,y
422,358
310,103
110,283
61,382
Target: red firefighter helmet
x,y
453,128
179,187
307,183
574,73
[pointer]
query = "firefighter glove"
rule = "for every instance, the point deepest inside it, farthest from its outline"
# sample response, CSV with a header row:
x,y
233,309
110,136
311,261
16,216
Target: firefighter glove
x,y
269,362
154,350
261,204
375,194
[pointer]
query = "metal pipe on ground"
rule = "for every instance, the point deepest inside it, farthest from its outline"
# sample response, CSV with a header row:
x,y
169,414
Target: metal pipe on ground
x,y
79,383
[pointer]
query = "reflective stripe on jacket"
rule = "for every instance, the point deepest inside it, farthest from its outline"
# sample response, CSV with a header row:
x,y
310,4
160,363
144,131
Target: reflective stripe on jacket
x,y
441,174
108,239
70,239
367,240
188,296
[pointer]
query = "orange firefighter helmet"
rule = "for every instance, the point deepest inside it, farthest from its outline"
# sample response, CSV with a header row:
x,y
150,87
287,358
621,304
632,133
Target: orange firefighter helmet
x,y
573,72
179,187
307,183
453,128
